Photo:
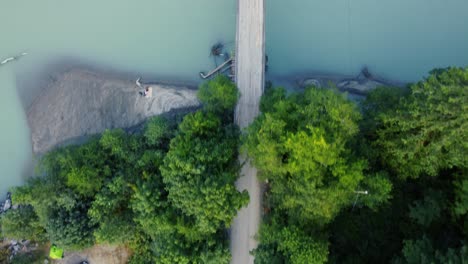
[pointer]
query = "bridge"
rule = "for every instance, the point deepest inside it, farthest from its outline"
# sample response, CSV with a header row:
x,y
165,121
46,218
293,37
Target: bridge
x,y
249,75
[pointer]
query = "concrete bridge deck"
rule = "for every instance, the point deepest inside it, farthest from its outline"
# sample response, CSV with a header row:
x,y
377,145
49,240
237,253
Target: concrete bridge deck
x,y
249,77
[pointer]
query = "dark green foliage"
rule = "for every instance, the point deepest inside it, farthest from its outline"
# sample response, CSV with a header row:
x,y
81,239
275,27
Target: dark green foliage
x,y
200,170
301,145
428,209
427,132
365,236
379,190
460,184
70,229
422,251
211,250
287,243
110,212
404,134
33,257
157,131
85,168
4,254
21,223
45,195
81,168
418,209
219,94
379,101
412,136
141,245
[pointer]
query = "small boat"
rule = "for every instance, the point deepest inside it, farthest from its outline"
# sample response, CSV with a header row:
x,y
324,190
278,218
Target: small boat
x,y
5,61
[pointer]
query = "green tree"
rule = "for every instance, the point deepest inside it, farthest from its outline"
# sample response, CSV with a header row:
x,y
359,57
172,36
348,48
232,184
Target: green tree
x,y
71,229
4,254
218,94
157,131
81,168
378,189
289,243
174,238
200,169
461,193
109,211
382,100
422,251
21,223
427,132
428,209
408,134
44,194
301,143
32,257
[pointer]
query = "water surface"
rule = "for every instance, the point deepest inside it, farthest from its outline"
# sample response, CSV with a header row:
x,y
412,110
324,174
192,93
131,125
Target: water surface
x,y
15,145
399,39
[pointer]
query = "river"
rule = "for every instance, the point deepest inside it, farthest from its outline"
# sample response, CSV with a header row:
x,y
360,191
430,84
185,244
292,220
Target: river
x,y
396,39
170,39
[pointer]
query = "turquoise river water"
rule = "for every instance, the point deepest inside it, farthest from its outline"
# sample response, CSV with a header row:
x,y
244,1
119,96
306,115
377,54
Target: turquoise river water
x,y
398,39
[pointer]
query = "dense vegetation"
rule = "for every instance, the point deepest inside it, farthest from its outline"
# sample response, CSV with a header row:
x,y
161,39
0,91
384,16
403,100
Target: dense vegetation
x,y
167,193
382,181
389,186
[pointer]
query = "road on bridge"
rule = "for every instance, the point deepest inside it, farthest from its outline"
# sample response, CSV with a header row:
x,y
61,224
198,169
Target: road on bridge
x,y
250,72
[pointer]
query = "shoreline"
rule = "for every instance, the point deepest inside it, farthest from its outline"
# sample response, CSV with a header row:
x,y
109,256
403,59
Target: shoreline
x,y
84,82
356,85
30,87
79,101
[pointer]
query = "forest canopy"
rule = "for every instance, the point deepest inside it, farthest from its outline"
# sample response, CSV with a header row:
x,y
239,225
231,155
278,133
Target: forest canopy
x,y
380,181
166,192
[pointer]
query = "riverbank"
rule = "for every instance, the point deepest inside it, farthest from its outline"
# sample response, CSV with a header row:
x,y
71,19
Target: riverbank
x,y
79,102
356,85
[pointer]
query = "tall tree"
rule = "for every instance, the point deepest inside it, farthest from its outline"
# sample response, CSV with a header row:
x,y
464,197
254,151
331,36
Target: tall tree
x,y
219,94
283,242
111,214
301,145
200,169
427,132
21,223
71,229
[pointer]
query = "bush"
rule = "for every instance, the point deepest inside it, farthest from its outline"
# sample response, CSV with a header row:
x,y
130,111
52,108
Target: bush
x,y
219,94
157,129
22,223
33,257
